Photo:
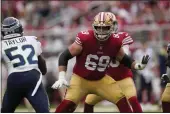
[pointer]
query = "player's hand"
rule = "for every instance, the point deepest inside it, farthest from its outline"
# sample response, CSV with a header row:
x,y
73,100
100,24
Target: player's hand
x,y
145,59
142,65
61,81
165,78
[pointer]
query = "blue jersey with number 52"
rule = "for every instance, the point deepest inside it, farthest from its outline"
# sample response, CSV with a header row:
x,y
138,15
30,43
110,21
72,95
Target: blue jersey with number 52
x,y
21,53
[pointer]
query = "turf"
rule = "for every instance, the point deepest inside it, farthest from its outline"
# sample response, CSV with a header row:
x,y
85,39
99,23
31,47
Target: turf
x,y
98,108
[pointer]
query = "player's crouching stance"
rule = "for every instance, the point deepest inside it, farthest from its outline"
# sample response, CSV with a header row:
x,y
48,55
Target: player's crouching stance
x,y
166,93
93,50
25,63
123,77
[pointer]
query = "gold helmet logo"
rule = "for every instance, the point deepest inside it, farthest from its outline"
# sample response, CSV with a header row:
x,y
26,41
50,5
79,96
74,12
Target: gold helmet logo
x,y
104,19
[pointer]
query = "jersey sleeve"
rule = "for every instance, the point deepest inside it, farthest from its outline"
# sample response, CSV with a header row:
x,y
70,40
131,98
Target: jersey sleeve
x,y
127,39
39,48
37,45
2,49
126,49
80,38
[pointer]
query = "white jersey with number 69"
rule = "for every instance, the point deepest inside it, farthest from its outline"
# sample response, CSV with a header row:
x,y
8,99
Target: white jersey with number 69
x,y
21,53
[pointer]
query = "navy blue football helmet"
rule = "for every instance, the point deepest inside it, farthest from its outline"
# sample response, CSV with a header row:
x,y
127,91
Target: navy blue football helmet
x,y
11,28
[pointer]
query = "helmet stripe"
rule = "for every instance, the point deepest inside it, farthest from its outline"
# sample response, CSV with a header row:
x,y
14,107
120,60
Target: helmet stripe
x,y
102,16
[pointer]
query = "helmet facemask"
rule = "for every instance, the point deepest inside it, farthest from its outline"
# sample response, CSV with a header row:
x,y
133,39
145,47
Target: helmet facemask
x,y
102,33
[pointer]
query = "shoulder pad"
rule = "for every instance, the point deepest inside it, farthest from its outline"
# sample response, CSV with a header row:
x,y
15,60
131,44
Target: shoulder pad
x,y
126,38
82,36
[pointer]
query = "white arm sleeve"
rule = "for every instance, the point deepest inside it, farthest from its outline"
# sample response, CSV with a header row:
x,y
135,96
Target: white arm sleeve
x,y
126,49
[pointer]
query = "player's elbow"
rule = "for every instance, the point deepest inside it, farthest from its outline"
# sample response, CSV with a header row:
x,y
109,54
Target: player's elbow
x,y
42,65
64,57
44,71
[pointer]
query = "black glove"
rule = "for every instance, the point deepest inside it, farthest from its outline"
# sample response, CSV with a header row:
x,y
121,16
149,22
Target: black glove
x,y
165,78
145,59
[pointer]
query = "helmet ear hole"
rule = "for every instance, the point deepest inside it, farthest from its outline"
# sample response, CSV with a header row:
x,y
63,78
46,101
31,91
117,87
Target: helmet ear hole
x,y
115,26
115,23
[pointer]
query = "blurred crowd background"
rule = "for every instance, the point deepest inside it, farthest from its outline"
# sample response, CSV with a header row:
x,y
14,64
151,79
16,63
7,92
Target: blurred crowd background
x,y
56,24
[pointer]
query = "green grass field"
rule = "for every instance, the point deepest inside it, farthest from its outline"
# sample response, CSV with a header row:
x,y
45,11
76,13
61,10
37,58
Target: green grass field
x,y
98,108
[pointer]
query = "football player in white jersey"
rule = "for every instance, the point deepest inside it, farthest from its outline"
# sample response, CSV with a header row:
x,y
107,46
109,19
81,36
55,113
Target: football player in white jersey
x,y
26,66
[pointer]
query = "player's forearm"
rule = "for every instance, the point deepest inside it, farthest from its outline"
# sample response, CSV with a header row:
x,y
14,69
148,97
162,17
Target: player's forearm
x,y
42,65
132,64
62,72
73,50
127,61
63,60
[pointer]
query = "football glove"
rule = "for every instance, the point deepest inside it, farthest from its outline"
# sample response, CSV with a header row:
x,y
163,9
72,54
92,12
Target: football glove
x,y
142,65
61,81
165,78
